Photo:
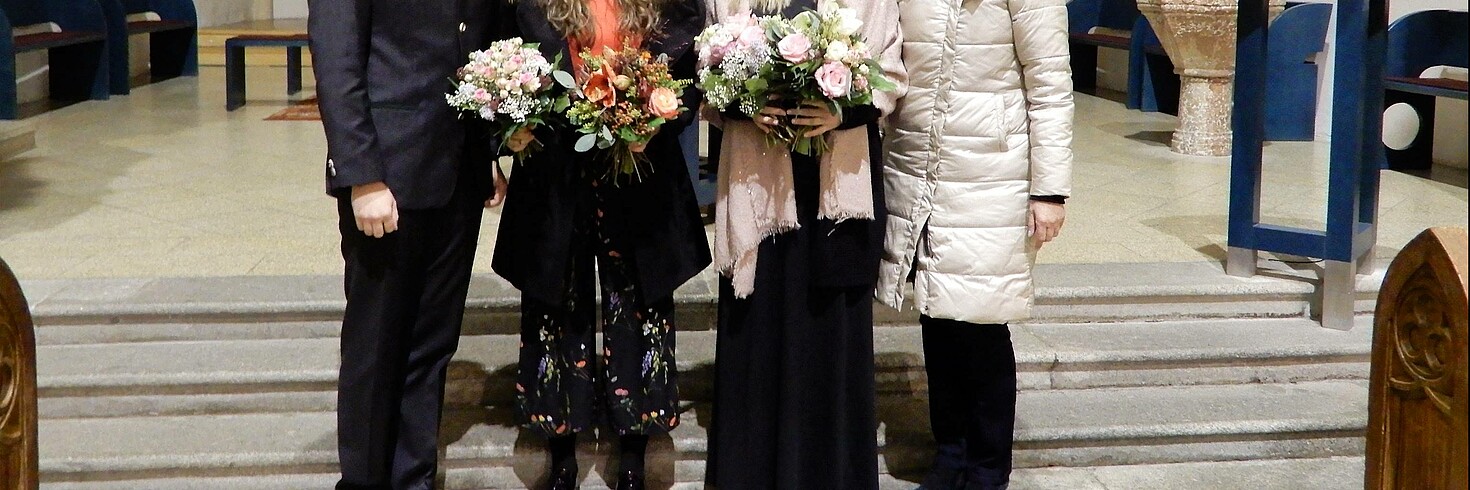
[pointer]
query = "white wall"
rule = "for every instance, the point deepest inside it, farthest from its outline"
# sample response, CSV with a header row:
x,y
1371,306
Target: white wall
x,y
289,9
219,12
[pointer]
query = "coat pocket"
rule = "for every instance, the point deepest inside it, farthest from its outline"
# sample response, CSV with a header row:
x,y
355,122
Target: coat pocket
x,y
980,116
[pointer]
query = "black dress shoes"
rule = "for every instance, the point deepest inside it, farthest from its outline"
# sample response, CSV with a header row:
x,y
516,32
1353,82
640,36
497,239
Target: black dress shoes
x,y
630,481
564,478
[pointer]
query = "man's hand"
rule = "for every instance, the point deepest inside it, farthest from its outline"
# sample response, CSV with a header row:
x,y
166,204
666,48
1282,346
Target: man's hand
x,y
520,140
1045,221
816,115
501,186
375,209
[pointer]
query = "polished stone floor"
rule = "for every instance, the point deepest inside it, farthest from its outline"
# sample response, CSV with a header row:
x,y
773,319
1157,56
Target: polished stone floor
x,y
165,183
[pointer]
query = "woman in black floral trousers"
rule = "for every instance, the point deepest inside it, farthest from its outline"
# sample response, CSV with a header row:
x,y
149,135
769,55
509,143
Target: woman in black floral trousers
x,y
642,238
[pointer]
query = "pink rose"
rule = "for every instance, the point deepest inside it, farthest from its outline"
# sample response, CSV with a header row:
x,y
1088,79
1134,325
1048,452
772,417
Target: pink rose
x,y
795,48
835,79
752,36
663,102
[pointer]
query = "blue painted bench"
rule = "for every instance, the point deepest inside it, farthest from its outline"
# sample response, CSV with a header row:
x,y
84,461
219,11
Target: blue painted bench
x,y
1082,17
235,63
1416,42
173,39
77,55
1298,35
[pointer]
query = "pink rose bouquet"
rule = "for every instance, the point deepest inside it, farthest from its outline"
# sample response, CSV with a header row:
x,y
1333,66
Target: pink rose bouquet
x,y
821,56
621,102
509,85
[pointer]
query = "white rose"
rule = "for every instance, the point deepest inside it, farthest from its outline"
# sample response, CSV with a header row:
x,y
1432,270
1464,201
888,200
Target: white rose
x,y
837,51
848,22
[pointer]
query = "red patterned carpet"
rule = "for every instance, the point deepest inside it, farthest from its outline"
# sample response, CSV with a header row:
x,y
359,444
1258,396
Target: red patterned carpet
x,y
301,110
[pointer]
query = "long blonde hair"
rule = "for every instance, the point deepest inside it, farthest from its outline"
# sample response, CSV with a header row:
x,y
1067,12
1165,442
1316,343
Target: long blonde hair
x,y
640,18
770,6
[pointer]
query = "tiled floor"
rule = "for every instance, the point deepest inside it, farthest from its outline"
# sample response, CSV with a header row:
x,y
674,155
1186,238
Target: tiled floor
x,y
164,182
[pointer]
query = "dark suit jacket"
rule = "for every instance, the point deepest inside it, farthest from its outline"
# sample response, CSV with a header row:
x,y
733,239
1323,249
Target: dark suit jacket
x,y
656,218
382,70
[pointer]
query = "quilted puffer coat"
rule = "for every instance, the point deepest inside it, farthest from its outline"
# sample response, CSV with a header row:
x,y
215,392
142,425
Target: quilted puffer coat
x,y
986,124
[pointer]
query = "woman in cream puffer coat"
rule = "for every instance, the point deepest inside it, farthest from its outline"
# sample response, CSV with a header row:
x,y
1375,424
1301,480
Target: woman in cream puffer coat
x,y
978,166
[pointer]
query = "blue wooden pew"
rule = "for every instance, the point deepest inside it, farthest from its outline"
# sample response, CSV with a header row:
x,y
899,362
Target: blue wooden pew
x,y
1291,94
1082,17
77,55
173,40
1416,42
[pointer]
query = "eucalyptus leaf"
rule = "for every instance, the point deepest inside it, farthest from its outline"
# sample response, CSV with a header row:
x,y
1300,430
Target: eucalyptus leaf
x,y
565,79
586,142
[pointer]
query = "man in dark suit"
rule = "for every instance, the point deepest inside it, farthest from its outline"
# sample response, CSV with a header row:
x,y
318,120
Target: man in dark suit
x,y
411,180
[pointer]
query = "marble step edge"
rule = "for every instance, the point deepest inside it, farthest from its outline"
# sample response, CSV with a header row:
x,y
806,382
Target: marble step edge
x,y
1064,292
16,138
1268,474
1218,435
300,375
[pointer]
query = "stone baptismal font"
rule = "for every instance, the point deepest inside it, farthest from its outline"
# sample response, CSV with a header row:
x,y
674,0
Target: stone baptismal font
x,y
1199,36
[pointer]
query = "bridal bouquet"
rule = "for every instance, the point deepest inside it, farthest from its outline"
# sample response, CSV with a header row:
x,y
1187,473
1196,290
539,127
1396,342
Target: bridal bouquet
x,y
622,101
509,85
816,55
736,59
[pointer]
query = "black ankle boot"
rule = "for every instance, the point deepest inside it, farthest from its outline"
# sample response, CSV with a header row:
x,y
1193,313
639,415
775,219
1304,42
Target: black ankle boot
x,y
948,470
629,480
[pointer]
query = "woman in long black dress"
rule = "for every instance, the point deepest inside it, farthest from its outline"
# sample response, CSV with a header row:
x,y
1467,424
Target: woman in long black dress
x,y
794,389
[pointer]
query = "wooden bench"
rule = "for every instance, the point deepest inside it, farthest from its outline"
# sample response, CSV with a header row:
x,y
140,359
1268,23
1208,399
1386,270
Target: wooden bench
x,y
173,40
19,460
77,54
1417,42
235,63
1418,433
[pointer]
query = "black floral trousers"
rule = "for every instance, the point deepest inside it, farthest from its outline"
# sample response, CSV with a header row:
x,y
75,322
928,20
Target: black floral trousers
x,y
562,388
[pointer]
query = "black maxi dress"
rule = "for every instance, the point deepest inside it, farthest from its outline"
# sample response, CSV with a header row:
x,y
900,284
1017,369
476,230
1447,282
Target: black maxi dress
x,y
794,387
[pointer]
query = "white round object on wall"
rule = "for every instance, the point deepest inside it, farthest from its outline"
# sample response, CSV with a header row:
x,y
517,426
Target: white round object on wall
x,y
1400,126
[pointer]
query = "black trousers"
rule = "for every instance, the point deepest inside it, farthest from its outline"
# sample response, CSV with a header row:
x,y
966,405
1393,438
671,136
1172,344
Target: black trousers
x,y
562,387
972,395
405,302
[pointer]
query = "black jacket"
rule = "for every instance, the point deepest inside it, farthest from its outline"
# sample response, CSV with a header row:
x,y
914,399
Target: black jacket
x,y
657,218
382,69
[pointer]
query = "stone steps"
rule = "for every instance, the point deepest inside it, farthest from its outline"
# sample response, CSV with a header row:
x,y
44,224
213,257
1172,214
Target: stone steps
x,y
1092,293
229,383
1286,474
1090,427
188,377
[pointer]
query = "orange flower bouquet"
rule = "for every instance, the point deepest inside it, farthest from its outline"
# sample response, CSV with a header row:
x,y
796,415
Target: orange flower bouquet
x,y
624,98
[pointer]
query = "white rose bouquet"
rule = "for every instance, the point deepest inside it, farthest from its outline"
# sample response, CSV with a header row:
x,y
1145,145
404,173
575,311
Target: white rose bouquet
x,y
735,59
510,85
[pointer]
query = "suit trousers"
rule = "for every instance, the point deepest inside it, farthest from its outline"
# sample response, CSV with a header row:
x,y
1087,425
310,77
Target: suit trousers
x,y
405,302
972,394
